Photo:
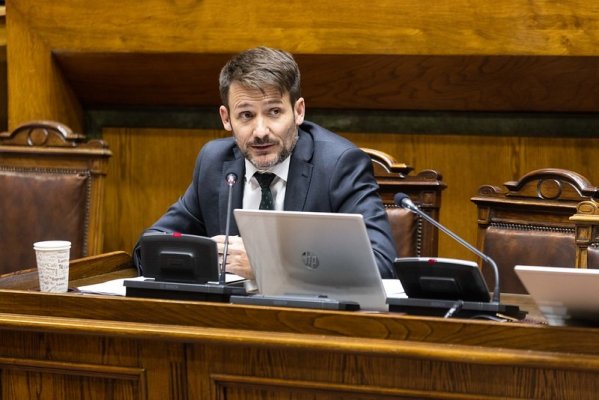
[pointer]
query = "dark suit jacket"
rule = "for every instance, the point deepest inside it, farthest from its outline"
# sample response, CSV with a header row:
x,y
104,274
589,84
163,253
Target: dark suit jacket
x,y
327,173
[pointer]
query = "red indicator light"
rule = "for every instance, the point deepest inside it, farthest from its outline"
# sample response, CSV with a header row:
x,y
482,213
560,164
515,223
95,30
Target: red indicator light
x,y
177,234
431,261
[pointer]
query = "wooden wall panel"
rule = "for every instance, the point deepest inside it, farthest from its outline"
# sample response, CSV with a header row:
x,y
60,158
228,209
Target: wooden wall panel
x,y
89,367
179,350
73,346
536,55
150,168
64,384
541,27
35,79
373,82
3,72
467,162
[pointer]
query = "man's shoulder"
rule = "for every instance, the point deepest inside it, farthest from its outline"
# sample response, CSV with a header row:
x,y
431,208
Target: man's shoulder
x,y
323,136
219,146
225,143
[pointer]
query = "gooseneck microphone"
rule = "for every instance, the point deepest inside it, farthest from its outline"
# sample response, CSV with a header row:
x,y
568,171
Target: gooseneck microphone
x,y
404,201
231,180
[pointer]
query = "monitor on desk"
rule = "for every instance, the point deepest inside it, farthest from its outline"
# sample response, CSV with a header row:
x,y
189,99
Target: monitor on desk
x,y
565,296
311,255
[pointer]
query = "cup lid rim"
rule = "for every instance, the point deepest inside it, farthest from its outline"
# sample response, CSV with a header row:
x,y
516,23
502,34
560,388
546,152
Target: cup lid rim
x,y
52,245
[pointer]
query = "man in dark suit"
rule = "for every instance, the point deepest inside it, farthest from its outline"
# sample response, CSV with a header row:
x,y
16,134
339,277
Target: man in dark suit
x,y
314,169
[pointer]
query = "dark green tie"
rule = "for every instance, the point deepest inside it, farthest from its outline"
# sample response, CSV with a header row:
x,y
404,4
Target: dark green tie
x,y
265,179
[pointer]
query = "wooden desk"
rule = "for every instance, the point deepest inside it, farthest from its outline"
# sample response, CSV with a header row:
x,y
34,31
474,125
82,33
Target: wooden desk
x,y
71,346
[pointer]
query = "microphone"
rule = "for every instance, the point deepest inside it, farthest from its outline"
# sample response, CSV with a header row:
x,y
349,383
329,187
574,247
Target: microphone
x,y
198,287
404,201
231,180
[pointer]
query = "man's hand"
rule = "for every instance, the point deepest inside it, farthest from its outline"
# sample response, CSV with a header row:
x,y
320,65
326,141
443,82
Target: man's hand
x,y
237,260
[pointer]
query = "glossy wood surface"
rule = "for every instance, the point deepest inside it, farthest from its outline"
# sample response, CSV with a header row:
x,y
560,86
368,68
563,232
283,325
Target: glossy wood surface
x,y
3,72
356,81
469,55
88,346
417,27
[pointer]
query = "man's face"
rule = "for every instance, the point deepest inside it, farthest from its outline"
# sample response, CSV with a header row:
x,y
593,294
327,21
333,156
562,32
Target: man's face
x,y
265,125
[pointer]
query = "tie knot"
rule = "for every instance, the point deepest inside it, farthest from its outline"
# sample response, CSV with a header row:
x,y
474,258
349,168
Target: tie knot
x,y
264,179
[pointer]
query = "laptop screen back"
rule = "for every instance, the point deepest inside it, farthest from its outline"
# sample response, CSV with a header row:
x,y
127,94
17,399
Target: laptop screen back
x,y
565,296
307,253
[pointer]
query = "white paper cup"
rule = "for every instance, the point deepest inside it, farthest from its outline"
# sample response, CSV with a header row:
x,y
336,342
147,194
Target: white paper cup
x,y
52,258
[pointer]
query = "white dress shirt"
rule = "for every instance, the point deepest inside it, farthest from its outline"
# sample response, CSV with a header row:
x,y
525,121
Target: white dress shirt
x,y
252,193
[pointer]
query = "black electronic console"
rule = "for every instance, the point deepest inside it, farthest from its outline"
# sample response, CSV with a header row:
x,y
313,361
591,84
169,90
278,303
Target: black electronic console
x,y
455,308
448,287
181,266
214,292
441,278
442,286
299,300
176,257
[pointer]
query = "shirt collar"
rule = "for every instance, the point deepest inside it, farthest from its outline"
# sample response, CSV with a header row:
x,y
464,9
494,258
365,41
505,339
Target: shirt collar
x,y
281,170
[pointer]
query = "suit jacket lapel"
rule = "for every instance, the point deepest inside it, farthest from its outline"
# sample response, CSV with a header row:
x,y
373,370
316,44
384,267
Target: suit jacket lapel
x,y
300,173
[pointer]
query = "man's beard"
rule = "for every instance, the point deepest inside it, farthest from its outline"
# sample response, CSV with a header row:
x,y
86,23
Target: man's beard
x,y
286,152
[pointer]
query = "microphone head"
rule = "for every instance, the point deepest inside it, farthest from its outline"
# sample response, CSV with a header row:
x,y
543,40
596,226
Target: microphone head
x,y
231,178
399,199
404,201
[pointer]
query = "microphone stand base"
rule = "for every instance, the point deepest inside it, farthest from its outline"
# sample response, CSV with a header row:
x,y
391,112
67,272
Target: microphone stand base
x,y
468,309
213,292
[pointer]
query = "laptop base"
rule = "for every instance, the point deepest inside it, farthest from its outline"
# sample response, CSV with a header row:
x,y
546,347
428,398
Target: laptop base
x,y
183,291
466,309
297,301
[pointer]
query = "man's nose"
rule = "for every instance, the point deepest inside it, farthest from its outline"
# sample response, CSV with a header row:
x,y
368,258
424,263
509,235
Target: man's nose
x,y
261,127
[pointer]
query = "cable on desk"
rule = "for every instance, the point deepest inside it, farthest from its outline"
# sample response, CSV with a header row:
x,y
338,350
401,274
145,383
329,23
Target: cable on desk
x,y
457,306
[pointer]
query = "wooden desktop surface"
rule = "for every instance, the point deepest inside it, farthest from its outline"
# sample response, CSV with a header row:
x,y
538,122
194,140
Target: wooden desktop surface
x,y
89,346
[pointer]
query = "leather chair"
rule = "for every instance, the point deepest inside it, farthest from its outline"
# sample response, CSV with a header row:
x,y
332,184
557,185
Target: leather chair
x,y
528,222
413,236
52,183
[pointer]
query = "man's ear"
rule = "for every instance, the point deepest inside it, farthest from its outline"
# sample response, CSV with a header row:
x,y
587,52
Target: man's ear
x,y
299,109
224,116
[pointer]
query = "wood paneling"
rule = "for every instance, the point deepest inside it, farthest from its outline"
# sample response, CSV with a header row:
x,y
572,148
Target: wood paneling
x,y
86,346
37,90
2,26
3,73
467,55
467,162
28,377
375,82
541,27
151,168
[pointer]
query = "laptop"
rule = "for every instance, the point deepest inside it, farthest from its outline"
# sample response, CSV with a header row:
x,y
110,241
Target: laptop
x,y
565,296
320,260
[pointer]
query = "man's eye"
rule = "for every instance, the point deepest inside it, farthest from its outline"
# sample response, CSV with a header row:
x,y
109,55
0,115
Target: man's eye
x,y
245,115
275,111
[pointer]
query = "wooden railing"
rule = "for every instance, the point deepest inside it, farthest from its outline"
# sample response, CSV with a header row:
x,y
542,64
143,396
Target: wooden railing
x,y
76,345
